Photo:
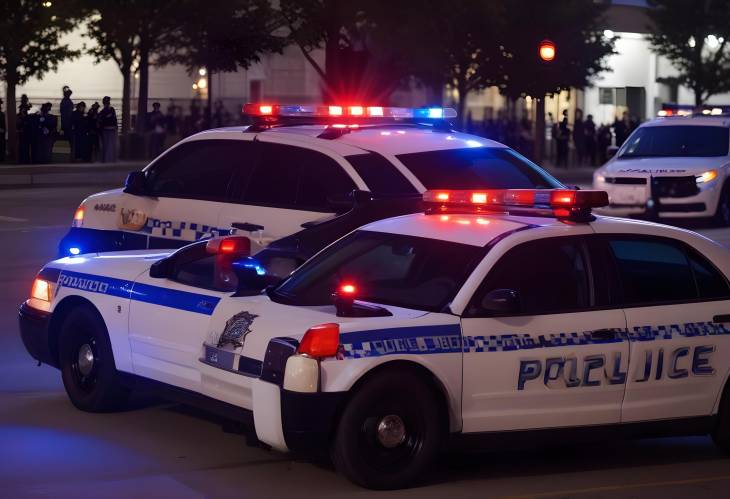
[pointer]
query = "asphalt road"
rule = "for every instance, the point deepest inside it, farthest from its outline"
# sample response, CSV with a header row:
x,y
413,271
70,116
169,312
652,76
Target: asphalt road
x,y
49,449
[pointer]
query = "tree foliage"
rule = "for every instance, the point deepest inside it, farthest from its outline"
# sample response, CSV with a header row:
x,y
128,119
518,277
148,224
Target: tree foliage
x,y
695,37
30,46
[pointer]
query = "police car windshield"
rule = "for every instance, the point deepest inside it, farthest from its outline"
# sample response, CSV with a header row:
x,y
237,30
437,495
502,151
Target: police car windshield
x,y
679,140
477,168
389,269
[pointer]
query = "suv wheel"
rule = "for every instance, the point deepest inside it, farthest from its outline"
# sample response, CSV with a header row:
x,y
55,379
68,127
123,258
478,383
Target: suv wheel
x,y
389,432
87,363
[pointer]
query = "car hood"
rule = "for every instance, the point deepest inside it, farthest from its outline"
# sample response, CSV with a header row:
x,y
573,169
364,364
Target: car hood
x,y
662,167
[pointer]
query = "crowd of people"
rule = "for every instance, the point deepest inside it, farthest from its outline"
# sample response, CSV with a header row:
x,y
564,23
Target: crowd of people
x,y
588,141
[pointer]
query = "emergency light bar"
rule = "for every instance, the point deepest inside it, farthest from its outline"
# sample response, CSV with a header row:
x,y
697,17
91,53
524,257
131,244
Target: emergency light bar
x,y
340,111
560,203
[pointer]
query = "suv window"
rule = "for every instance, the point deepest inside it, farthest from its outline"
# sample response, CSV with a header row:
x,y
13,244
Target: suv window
x,y
390,269
549,276
477,168
380,174
200,169
653,271
293,177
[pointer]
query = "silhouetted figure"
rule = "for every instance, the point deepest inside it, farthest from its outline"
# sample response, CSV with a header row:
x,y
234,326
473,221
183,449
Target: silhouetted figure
x,y
24,127
80,133
579,136
155,126
92,130
171,118
44,134
590,139
66,110
604,140
562,141
3,127
622,128
108,127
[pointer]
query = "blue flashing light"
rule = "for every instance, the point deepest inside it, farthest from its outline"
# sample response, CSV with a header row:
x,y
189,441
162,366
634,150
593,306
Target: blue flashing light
x,y
251,263
473,143
436,112
74,251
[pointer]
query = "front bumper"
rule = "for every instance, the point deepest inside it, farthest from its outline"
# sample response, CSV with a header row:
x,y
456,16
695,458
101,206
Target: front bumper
x,y
34,331
659,197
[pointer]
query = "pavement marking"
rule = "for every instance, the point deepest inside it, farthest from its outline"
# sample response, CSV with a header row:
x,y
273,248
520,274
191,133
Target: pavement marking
x,y
12,219
31,228
610,488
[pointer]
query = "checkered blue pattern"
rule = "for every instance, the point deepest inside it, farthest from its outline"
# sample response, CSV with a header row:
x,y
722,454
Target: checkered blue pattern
x,y
188,231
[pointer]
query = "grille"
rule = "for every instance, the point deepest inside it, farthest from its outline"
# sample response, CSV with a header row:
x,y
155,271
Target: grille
x,y
674,187
626,180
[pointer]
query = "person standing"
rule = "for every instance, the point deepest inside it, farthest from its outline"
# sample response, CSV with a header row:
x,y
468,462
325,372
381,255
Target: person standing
x,y
156,129
108,127
80,133
563,140
25,130
47,125
66,110
622,128
2,132
590,139
604,140
579,136
92,128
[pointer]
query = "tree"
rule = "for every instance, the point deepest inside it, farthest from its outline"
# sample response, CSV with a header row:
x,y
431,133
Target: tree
x,y
115,29
694,36
221,37
581,51
30,46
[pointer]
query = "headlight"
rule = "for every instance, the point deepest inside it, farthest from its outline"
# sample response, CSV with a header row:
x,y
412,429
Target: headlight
x,y
600,178
78,220
707,176
41,294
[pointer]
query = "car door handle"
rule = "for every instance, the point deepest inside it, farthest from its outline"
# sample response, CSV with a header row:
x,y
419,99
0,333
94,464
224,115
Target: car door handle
x,y
247,226
721,318
603,334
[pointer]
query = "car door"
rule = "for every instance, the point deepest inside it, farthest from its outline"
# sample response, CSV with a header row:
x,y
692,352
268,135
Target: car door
x,y
672,296
169,317
288,187
557,359
186,188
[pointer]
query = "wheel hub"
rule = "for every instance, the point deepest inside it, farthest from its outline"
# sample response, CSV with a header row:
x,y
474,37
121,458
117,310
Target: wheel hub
x,y
86,359
391,431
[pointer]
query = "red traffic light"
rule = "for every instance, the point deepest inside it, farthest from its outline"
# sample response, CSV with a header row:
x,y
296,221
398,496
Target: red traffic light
x,y
547,50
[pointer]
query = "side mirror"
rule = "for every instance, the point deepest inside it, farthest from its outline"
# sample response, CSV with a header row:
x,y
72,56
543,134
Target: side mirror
x,y
136,183
501,301
340,203
161,268
611,151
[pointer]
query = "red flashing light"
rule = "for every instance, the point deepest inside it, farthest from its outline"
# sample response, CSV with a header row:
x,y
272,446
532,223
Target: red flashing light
x,y
335,110
231,245
348,289
560,202
321,341
355,111
375,111
266,109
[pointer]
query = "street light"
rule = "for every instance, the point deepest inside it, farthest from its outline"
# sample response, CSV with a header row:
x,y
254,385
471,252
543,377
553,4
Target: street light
x,y
547,50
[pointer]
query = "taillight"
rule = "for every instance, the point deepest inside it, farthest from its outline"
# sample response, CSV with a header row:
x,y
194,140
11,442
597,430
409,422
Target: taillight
x,y
321,341
78,220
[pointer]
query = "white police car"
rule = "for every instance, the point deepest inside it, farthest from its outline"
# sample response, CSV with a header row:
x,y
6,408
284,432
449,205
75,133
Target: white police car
x,y
295,164
674,167
495,317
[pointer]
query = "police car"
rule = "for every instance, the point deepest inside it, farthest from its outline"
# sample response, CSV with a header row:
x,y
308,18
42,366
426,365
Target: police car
x,y
294,165
492,317
672,167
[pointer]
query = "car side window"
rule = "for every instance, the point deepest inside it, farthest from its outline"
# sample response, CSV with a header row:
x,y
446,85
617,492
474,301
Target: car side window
x,y
296,178
380,174
194,266
653,271
548,275
200,169
711,283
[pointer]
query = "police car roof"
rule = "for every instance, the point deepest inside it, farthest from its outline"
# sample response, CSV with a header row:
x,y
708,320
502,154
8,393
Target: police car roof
x,y
689,120
383,138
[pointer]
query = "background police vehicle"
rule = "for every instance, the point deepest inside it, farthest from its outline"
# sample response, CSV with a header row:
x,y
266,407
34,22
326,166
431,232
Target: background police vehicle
x,y
494,316
294,165
672,167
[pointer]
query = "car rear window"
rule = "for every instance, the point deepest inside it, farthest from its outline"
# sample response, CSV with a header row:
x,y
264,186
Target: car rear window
x,y
477,168
678,140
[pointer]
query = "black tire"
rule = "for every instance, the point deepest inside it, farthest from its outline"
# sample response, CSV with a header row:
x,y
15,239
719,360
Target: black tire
x,y
722,215
92,383
360,454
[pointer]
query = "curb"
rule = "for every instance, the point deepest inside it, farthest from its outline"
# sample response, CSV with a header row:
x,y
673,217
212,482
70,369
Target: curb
x,y
59,175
